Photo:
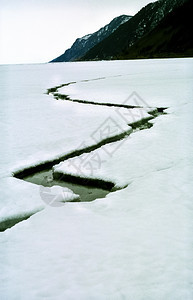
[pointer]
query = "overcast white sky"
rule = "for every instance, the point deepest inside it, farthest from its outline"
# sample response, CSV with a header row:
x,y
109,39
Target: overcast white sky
x,y
35,31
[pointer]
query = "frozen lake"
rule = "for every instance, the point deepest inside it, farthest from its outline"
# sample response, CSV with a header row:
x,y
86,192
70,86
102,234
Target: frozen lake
x,y
134,243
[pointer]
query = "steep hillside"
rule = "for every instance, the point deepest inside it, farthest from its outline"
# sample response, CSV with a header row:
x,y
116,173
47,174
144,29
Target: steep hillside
x,y
84,44
130,32
173,37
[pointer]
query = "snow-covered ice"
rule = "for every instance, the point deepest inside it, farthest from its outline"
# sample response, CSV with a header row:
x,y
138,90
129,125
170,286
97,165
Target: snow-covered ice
x,y
159,83
137,242
151,148
36,128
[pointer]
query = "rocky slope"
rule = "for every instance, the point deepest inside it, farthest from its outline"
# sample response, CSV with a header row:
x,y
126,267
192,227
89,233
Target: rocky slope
x,y
173,37
82,45
133,30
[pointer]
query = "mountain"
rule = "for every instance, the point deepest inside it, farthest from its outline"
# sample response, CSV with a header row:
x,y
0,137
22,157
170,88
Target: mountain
x,y
82,45
130,32
173,37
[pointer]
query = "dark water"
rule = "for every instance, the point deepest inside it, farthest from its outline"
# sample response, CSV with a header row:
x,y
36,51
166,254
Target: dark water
x,y
11,222
86,193
45,179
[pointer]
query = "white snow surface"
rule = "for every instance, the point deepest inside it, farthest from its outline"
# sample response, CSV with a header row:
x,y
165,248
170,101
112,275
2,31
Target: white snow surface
x,y
137,242
36,128
85,37
159,83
